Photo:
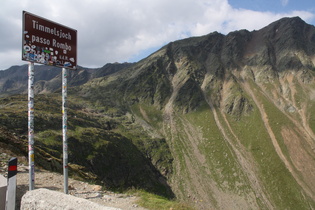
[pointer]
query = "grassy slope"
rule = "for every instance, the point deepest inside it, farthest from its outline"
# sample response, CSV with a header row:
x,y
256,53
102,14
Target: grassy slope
x,y
201,152
281,187
102,155
191,149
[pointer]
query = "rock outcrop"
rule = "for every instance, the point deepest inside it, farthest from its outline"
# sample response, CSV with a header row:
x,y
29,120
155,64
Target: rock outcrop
x,y
43,199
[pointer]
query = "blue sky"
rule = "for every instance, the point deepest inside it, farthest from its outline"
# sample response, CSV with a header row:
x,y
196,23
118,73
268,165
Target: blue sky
x,y
126,31
274,5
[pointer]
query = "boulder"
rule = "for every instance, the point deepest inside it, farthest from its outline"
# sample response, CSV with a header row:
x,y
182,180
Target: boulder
x,y
42,199
3,191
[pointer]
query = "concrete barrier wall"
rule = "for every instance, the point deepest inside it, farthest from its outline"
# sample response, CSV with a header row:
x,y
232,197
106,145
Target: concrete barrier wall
x,y
43,199
3,191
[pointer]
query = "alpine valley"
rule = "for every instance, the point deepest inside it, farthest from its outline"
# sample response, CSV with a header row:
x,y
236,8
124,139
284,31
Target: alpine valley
x,y
217,121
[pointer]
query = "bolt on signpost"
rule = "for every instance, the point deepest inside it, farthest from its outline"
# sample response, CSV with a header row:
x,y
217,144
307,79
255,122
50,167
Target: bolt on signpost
x,y
49,43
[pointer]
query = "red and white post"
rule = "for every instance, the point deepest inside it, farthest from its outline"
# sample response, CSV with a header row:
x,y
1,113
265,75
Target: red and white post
x,y
11,186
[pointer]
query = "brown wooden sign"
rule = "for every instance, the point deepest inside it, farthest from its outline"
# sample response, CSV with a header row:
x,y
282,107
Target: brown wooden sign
x,y
49,43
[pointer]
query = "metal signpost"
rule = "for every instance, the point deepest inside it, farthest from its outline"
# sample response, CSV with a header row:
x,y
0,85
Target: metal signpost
x,y
31,125
64,128
49,43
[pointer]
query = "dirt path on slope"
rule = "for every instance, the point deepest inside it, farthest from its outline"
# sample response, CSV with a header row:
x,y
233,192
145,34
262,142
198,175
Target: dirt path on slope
x,y
265,119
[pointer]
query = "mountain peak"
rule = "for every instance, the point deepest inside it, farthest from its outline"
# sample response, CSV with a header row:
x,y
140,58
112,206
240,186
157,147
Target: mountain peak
x,y
291,20
290,34
286,22
287,25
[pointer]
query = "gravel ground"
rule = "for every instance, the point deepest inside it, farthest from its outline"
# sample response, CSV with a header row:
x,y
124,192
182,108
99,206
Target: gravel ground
x,y
54,181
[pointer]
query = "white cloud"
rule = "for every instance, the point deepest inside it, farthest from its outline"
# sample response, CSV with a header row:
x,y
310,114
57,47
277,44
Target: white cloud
x,y
226,19
117,30
284,2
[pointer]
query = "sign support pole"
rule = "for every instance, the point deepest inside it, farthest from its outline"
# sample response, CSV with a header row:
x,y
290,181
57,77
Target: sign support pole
x,y
31,164
64,128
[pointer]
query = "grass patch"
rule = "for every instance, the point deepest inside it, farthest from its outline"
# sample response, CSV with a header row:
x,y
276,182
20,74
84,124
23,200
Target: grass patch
x,y
155,202
150,114
312,121
220,156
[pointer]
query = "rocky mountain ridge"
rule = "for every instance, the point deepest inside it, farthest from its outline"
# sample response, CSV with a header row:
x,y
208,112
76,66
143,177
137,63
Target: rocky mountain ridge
x,y
227,121
47,78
